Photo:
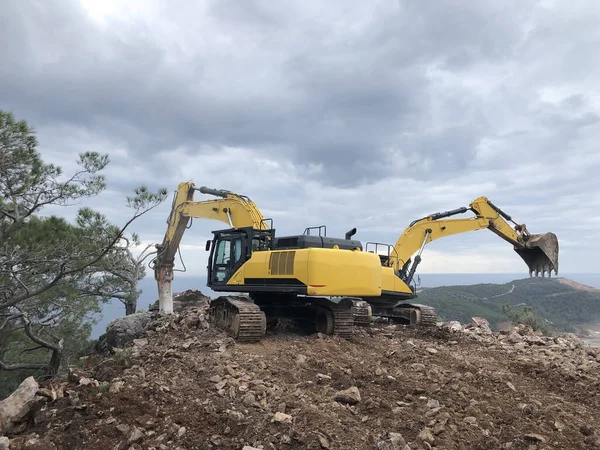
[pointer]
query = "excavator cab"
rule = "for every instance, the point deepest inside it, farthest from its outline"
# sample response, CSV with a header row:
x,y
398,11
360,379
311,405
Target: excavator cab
x,y
231,248
227,254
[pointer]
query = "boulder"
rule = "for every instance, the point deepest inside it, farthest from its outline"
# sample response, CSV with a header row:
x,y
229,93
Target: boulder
x,y
480,325
452,326
523,329
349,396
124,330
18,405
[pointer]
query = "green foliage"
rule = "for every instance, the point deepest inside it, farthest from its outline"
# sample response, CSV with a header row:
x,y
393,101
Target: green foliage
x,y
27,184
122,273
527,316
555,303
19,347
54,274
123,357
14,346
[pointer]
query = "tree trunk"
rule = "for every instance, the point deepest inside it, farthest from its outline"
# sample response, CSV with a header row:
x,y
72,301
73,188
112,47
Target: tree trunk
x,y
55,362
131,302
3,344
130,307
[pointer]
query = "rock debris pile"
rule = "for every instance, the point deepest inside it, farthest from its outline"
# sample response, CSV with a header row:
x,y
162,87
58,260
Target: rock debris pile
x,y
183,385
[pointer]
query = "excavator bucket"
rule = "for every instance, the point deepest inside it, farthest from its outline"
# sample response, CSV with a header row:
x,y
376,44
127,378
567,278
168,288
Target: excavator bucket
x,y
540,253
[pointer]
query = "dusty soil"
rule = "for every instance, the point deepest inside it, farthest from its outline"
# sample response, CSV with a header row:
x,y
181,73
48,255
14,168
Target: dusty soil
x,y
590,334
577,286
188,386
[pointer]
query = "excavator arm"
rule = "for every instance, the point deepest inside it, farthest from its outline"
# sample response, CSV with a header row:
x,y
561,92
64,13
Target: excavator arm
x,y
539,251
234,209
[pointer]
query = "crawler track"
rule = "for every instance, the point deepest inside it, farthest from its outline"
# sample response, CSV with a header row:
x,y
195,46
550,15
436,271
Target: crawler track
x,y
362,313
343,321
410,314
333,318
245,321
428,316
239,317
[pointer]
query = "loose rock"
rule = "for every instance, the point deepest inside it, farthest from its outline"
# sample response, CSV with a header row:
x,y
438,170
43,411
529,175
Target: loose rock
x,y
15,407
349,396
282,418
532,437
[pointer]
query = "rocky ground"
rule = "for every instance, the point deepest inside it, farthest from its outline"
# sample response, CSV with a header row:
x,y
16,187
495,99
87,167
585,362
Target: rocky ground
x,y
590,334
187,386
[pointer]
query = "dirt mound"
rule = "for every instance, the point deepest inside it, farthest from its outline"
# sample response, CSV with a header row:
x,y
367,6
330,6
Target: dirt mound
x,y
188,386
577,286
185,299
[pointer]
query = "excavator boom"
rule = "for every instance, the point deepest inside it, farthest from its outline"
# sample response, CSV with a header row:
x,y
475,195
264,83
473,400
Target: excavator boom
x,y
236,210
539,251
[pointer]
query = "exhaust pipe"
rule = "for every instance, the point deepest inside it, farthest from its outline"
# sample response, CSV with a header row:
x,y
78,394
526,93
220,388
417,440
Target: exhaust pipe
x,y
350,233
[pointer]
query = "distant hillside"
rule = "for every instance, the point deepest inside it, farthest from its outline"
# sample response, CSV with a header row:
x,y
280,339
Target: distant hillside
x,y
561,301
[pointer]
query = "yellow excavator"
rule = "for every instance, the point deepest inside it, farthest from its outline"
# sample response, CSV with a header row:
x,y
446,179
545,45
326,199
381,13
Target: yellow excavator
x,y
320,283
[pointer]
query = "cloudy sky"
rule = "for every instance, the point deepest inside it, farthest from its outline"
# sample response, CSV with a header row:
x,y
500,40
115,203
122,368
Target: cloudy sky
x,y
344,113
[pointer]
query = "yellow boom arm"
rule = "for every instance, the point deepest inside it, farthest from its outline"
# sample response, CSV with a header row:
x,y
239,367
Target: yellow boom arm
x,y
236,210
540,252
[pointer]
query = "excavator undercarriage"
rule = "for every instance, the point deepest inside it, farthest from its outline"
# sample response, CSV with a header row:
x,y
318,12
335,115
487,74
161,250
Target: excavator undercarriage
x,y
241,318
408,314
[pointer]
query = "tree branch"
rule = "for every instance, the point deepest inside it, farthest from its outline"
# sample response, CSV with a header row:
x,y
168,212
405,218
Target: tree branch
x,y
28,350
8,319
29,332
23,366
62,273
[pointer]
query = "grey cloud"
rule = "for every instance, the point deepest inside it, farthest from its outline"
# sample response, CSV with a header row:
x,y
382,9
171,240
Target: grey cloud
x,y
350,101
253,14
424,104
459,33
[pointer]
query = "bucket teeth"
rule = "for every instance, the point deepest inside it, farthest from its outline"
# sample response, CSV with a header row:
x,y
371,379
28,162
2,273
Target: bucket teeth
x,y
540,253
541,270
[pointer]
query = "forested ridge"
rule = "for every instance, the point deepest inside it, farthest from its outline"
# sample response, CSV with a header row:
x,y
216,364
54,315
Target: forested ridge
x,y
560,303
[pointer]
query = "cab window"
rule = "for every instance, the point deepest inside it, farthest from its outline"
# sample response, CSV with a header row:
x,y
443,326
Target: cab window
x,y
223,252
237,250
